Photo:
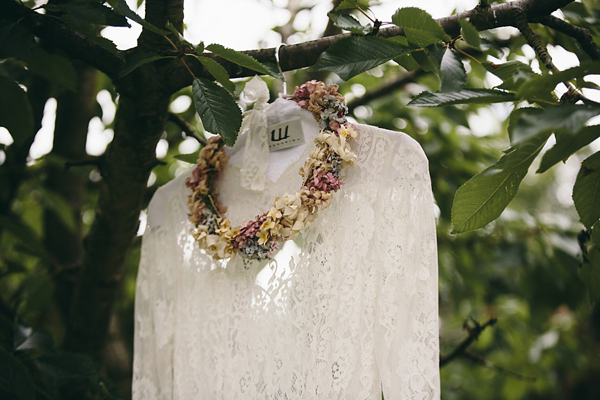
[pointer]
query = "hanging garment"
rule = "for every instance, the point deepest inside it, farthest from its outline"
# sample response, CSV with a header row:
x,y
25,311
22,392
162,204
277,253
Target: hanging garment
x,y
347,310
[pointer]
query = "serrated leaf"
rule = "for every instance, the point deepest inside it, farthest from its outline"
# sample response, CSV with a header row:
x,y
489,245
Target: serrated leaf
x,y
346,22
15,40
217,110
586,191
53,67
483,197
353,55
94,13
237,57
567,144
15,111
568,118
430,59
138,59
124,9
419,27
469,33
589,273
191,158
465,96
453,72
217,70
543,85
515,116
512,73
199,48
348,4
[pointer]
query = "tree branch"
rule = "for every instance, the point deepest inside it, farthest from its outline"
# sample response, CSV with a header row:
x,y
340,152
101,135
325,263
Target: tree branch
x,y
582,35
386,89
474,333
480,360
75,44
305,54
186,128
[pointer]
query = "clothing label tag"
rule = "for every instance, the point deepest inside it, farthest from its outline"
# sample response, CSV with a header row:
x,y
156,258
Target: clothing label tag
x,y
285,134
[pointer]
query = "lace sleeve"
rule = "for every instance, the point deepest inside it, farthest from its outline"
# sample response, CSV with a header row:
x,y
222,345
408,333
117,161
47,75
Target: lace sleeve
x,y
407,333
154,310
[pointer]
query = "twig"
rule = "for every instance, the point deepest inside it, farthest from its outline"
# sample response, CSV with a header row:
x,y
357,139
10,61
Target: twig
x,y
522,24
474,333
386,89
186,128
96,162
582,35
478,359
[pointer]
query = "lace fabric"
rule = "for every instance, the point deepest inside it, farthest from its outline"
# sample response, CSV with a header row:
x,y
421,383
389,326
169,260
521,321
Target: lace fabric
x,y
346,311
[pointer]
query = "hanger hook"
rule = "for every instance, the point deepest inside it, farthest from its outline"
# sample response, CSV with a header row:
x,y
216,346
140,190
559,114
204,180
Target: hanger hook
x,y
277,53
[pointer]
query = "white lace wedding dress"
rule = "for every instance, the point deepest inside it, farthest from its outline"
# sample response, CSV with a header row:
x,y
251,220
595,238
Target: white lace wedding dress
x,y
346,311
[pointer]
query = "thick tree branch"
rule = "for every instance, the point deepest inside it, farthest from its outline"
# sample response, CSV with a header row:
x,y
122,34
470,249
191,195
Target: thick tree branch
x,y
305,54
582,35
292,57
73,43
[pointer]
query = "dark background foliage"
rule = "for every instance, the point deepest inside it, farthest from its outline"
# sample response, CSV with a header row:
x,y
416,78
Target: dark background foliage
x,y
518,296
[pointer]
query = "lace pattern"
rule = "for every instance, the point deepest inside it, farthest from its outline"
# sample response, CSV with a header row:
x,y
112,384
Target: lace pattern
x,y
346,311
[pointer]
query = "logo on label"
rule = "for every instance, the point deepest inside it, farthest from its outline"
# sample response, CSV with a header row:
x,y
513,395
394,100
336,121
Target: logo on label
x,y
285,134
279,137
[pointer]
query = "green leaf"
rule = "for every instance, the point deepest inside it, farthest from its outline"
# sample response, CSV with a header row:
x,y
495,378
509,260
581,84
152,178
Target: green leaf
x,y
348,4
543,85
94,13
15,111
63,367
14,378
60,207
53,67
419,27
407,61
430,59
215,106
347,22
568,118
469,33
515,116
237,57
589,273
453,72
138,59
586,191
191,158
353,55
428,99
483,197
15,40
23,233
567,144
27,338
512,73
218,72
124,9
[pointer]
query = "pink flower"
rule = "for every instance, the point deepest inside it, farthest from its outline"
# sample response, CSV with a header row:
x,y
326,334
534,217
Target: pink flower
x,y
334,126
324,182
